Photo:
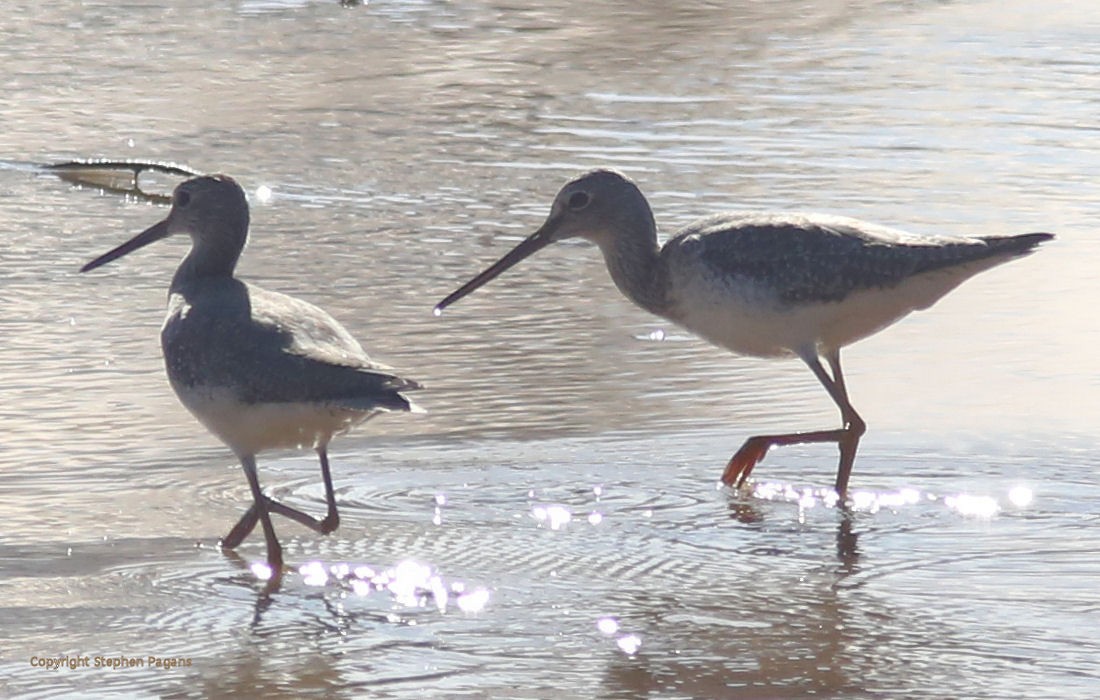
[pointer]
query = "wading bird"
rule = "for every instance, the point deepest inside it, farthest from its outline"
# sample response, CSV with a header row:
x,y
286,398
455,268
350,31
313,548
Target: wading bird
x,y
261,370
767,285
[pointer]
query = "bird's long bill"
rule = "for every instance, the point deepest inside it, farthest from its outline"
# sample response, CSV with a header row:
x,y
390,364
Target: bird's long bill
x,y
530,245
153,233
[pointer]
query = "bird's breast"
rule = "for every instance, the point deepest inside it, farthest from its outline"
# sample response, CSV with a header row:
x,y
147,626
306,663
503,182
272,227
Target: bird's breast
x,y
736,313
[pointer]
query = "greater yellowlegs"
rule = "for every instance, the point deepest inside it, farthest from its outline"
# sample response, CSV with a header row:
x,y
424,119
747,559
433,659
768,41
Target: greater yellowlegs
x,y
259,369
768,285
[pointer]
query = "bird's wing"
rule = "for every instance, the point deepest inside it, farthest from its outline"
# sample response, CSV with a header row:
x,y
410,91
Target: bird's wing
x,y
815,258
271,348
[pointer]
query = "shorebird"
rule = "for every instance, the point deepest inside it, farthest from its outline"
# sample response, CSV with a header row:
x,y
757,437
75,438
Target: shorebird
x,y
767,285
261,370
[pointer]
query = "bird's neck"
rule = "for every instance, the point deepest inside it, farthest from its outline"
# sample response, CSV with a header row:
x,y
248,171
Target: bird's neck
x,y
208,260
636,267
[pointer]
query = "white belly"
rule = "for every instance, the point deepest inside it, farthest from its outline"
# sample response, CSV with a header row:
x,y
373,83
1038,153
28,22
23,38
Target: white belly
x,y
751,323
253,428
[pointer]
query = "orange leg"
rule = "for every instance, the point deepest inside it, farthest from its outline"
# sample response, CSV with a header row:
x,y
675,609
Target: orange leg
x,y
847,438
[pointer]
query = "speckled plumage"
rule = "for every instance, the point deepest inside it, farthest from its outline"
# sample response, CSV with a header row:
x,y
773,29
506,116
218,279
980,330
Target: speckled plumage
x,y
765,284
808,258
285,350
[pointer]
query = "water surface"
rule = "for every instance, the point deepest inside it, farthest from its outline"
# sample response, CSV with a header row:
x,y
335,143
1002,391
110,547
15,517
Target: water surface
x,y
552,527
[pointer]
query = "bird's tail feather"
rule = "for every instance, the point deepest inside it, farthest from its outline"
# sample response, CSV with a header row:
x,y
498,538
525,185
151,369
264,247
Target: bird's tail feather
x,y
1016,245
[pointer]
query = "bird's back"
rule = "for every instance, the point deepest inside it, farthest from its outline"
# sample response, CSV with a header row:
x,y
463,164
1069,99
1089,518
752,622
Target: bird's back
x,y
776,284
800,259
266,347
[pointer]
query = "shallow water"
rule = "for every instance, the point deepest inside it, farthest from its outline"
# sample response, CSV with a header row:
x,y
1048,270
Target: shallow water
x,y
552,527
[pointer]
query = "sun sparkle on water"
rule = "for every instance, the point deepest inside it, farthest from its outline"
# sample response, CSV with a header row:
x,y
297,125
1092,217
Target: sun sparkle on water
x,y
261,570
973,506
630,644
607,625
474,601
1021,496
965,504
313,573
556,516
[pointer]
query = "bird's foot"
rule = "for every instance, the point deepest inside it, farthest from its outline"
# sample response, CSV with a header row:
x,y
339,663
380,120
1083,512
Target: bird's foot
x,y
330,523
741,464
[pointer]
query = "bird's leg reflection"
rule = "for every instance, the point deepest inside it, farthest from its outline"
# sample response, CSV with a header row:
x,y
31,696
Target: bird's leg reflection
x,y
847,540
744,509
271,585
263,602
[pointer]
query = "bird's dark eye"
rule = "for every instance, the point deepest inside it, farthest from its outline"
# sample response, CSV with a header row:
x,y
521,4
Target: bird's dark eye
x,y
183,198
579,200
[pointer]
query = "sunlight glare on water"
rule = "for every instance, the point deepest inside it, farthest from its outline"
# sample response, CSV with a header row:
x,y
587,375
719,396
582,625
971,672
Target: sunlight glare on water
x,y
313,574
870,502
629,643
973,506
554,516
969,505
473,601
1021,496
607,625
261,570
